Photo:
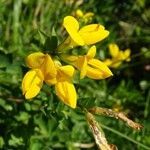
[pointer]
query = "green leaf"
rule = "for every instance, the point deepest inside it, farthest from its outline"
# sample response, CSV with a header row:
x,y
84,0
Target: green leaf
x,y
51,44
23,117
42,125
6,106
42,36
15,141
53,32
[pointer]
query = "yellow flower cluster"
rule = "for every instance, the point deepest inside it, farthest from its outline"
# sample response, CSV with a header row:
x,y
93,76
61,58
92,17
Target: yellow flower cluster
x,y
45,69
118,56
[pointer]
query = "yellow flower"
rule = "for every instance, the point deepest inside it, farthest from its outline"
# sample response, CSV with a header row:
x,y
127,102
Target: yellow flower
x,y
64,88
43,69
79,13
87,35
89,66
85,16
118,56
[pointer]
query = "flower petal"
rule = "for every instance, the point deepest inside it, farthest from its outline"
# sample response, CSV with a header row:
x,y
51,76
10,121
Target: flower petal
x,y
102,67
93,33
127,54
69,58
51,81
92,52
88,15
83,69
70,21
116,63
48,68
120,56
32,83
35,60
113,50
79,13
94,73
108,62
72,26
65,73
81,64
67,70
67,93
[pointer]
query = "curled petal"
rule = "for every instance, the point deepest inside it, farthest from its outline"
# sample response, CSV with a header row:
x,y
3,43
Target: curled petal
x,y
113,50
35,60
72,26
102,67
32,83
67,93
93,33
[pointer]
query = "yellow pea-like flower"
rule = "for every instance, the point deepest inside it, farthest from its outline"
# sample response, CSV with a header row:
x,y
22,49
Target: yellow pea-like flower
x,y
87,35
43,68
127,53
89,66
118,56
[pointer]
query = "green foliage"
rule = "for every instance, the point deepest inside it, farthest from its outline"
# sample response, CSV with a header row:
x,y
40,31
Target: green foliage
x,y
45,123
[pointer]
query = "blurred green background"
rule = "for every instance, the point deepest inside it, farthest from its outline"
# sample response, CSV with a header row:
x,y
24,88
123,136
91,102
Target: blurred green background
x,y
46,123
